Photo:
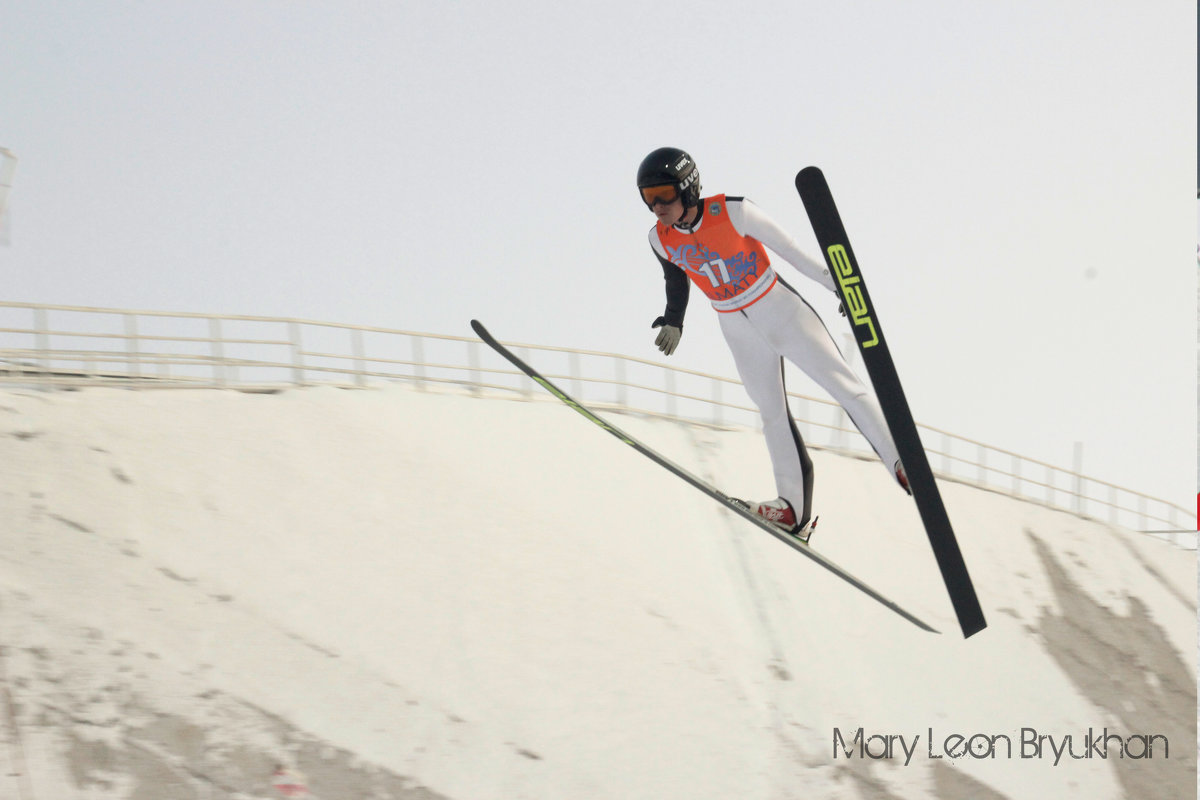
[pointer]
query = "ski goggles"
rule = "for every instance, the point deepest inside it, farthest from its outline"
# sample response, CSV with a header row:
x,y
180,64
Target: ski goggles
x,y
665,194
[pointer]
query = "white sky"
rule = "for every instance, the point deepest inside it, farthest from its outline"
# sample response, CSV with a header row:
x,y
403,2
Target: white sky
x,y
1017,179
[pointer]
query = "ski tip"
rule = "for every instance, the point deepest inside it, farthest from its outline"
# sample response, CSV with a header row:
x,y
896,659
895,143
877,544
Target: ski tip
x,y
483,334
809,175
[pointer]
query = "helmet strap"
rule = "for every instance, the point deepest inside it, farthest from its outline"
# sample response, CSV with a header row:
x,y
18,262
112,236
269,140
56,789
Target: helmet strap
x,y
683,223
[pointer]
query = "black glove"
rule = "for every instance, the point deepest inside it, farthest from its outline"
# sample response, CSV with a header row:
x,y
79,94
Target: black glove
x,y
668,337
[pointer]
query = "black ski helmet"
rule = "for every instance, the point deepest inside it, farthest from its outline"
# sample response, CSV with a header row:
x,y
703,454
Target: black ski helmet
x,y
670,165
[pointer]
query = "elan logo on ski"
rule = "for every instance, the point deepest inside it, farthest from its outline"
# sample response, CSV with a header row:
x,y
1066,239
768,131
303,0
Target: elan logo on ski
x,y
852,293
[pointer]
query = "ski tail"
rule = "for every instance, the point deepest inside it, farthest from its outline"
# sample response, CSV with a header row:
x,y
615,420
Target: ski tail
x,y
739,508
868,332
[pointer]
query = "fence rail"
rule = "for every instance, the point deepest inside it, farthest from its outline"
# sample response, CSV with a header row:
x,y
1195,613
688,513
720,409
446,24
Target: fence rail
x,y
62,346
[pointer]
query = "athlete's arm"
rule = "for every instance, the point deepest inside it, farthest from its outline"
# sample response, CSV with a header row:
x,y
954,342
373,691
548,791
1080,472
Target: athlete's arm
x,y
677,285
750,220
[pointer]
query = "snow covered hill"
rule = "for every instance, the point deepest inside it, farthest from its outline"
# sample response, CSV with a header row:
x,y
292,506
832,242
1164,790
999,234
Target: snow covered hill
x,y
402,594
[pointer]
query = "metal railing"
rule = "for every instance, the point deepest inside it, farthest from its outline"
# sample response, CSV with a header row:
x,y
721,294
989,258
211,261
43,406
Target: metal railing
x,y
57,346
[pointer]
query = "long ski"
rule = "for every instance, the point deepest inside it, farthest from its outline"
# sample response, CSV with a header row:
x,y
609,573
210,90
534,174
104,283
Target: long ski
x,y
835,244
698,483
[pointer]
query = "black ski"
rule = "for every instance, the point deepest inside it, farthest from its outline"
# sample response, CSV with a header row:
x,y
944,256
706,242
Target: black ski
x,y
699,483
831,235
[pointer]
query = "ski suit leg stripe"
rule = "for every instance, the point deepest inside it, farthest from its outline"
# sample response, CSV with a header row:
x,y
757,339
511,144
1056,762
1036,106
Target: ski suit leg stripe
x,y
803,514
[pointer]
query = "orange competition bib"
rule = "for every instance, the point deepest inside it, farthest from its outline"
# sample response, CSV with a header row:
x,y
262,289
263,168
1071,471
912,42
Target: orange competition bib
x,y
731,269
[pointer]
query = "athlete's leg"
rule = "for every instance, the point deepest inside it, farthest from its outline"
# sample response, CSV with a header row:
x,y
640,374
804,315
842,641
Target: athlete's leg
x,y
795,330
761,371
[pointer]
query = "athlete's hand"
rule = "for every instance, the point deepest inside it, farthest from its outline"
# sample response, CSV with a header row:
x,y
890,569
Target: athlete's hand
x,y
668,337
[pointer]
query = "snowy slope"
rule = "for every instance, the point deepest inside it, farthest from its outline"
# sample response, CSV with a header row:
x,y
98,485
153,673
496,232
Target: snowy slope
x,y
393,593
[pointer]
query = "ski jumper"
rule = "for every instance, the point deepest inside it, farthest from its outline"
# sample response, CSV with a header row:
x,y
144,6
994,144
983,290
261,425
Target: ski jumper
x,y
764,320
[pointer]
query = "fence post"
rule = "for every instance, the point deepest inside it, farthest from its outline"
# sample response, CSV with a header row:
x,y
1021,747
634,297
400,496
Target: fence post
x,y
717,404
297,353
1078,469
473,360
41,343
360,365
218,352
418,357
670,382
131,337
622,389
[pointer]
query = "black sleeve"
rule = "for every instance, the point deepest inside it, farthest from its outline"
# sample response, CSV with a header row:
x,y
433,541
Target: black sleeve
x,y
678,287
